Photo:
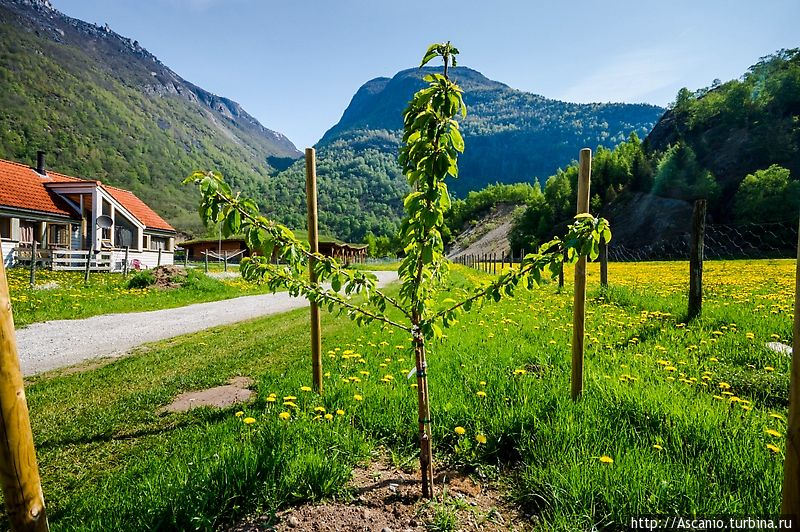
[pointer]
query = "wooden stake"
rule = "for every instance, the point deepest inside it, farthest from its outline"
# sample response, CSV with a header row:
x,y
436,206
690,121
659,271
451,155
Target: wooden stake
x,y
579,301
33,264
159,258
696,259
790,504
206,259
226,261
313,242
19,472
125,264
603,262
185,258
88,265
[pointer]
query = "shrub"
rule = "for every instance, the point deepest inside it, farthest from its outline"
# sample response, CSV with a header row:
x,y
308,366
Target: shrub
x,y
142,279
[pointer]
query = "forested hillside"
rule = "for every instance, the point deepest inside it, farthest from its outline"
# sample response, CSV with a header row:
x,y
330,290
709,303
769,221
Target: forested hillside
x,y
510,136
736,144
105,108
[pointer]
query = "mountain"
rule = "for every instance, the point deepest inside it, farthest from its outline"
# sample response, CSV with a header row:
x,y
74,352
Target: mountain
x,y
103,107
738,127
510,135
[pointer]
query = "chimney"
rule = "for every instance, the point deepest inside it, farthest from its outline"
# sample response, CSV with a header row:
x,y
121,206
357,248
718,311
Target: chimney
x,y
40,162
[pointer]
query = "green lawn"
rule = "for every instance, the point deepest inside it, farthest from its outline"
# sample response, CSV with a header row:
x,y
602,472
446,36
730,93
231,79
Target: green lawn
x,y
63,295
682,410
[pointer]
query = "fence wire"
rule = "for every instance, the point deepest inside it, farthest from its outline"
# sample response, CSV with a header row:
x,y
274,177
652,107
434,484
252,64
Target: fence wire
x,y
748,241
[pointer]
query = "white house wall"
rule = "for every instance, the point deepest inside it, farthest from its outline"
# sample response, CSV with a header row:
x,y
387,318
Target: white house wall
x,y
7,247
147,258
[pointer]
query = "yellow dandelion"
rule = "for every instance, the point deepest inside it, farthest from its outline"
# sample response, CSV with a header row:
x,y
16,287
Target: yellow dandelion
x,y
769,368
319,409
305,388
271,399
481,439
460,431
284,415
773,448
773,432
657,447
328,416
290,398
358,397
239,413
249,420
606,459
777,416
481,394
340,412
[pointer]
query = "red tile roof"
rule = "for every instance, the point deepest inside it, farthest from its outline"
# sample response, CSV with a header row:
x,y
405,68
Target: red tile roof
x,y
138,208
22,187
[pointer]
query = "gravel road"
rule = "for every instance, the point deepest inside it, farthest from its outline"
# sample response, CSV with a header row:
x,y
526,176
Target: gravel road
x,y
57,344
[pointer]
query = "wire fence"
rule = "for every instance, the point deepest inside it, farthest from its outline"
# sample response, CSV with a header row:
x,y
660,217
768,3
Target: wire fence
x,y
748,241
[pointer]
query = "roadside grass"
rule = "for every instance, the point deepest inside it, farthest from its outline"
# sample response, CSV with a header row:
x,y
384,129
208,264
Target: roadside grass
x,y
679,413
63,295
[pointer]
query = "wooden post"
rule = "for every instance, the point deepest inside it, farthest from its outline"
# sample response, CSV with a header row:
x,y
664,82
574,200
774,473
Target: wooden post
x,y
494,263
424,413
185,258
561,272
19,472
33,264
206,259
696,259
125,264
579,301
159,258
226,261
88,265
790,504
313,242
603,262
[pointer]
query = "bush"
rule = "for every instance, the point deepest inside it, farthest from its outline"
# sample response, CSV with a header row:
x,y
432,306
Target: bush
x,y
142,279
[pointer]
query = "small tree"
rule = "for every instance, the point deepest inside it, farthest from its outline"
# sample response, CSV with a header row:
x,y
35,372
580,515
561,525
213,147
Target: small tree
x,y
432,143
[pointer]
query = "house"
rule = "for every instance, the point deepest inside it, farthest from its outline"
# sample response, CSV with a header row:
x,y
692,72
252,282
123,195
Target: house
x,y
61,214
235,246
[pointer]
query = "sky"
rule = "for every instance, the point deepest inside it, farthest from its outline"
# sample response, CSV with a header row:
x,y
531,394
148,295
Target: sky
x,y
295,64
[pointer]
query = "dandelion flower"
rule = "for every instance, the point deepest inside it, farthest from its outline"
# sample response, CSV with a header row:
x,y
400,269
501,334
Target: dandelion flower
x,y
249,420
305,388
773,448
239,413
657,447
284,415
290,398
773,432
319,409
460,431
777,416
328,416
606,459
481,394
481,439
358,397
769,368
340,412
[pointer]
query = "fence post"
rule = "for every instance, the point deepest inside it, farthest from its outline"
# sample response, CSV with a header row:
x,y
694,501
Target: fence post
x,y
206,261
494,263
33,264
226,261
313,242
185,258
125,264
88,265
159,258
603,262
696,259
561,271
790,504
579,301
19,472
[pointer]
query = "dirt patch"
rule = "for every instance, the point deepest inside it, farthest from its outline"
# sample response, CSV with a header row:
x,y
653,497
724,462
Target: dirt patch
x,y
385,498
169,276
489,235
236,391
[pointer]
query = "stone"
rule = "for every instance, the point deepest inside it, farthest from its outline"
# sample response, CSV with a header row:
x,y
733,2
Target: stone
x,y
293,522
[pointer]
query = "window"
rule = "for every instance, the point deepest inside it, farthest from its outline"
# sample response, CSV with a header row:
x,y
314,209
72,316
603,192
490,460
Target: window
x,y
5,227
58,236
158,242
26,233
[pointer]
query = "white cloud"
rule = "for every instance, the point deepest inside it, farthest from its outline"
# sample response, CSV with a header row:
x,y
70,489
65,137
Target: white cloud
x,y
637,76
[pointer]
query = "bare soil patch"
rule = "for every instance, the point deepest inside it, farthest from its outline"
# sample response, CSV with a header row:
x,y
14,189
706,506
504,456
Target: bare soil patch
x,y
236,391
169,276
387,499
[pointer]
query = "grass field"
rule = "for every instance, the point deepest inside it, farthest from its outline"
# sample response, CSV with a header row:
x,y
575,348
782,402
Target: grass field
x,y
676,418
63,295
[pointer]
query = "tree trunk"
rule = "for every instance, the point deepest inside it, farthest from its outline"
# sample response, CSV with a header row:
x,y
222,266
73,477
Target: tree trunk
x,y
425,453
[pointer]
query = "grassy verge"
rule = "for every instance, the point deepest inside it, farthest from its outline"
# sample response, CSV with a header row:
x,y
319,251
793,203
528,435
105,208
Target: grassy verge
x,y
63,295
676,419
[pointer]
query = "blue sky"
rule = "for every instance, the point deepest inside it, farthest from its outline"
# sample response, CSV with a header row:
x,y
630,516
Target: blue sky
x,y
295,64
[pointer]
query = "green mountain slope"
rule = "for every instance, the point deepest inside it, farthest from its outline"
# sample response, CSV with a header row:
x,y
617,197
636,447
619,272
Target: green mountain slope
x,y
511,136
105,108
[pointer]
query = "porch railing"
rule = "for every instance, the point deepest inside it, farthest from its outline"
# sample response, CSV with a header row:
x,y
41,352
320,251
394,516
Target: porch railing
x,y
66,259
